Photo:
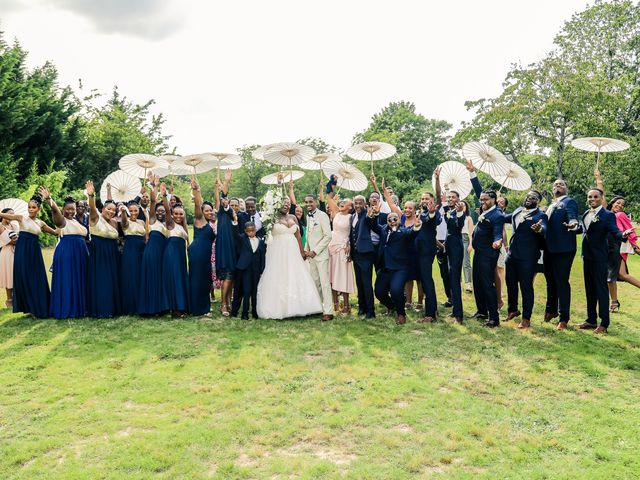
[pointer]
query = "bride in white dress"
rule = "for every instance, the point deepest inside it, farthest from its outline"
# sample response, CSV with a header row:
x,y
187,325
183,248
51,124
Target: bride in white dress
x,y
286,288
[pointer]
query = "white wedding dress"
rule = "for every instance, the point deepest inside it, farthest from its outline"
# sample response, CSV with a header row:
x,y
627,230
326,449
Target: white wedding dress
x,y
286,288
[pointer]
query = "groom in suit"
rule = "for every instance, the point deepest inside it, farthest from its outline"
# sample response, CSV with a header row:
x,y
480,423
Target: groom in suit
x,y
317,252
597,223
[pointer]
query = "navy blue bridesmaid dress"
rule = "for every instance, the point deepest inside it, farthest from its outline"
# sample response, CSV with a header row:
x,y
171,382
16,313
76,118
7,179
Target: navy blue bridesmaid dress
x,y
69,273
151,300
175,280
200,278
103,271
131,270
225,245
30,284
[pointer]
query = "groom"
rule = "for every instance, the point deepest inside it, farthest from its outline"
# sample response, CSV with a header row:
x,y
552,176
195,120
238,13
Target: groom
x,y
317,252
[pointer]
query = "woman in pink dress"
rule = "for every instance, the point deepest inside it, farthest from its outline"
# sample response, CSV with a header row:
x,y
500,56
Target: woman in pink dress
x,y
216,283
340,266
619,252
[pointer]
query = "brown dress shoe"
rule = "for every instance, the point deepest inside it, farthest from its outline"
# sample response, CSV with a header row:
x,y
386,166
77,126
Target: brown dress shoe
x,y
524,324
600,330
458,321
427,320
327,318
401,320
513,315
549,316
587,326
562,326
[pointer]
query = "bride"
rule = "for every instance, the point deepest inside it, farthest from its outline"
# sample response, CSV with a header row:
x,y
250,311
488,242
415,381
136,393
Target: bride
x,y
286,288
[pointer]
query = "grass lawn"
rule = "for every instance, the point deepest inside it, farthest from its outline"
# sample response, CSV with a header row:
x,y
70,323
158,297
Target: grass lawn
x,y
217,398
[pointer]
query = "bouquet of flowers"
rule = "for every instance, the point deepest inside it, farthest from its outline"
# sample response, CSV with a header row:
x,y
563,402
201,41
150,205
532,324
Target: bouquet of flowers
x,y
271,204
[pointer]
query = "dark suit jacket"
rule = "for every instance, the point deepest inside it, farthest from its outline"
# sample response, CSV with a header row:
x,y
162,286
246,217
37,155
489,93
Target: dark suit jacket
x,y
247,258
426,238
455,223
488,230
360,237
392,252
558,239
526,244
594,238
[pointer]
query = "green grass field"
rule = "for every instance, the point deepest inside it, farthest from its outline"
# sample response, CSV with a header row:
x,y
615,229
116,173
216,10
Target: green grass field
x,y
219,398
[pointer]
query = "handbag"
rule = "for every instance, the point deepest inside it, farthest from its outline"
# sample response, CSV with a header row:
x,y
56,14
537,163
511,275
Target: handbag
x,y
626,247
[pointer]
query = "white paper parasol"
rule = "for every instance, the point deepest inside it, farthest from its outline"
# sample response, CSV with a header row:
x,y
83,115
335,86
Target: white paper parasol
x,y
371,152
174,166
349,177
453,176
289,154
226,161
600,144
139,164
516,178
124,187
200,163
272,178
316,162
259,152
19,207
485,158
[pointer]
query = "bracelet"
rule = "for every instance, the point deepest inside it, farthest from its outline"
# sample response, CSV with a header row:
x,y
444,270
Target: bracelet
x,y
92,195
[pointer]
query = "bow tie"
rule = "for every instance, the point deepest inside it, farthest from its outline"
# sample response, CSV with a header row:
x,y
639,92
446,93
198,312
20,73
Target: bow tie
x,y
312,214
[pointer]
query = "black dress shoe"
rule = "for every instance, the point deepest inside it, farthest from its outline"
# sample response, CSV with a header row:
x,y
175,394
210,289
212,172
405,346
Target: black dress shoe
x,y
361,313
479,316
244,317
447,304
369,317
491,324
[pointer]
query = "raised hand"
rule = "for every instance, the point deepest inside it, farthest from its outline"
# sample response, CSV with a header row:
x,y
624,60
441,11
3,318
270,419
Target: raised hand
x,y
44,193
459,207
436,172
470,166
227,175
418,223
90,188
536,227
163,190
431,206
194,184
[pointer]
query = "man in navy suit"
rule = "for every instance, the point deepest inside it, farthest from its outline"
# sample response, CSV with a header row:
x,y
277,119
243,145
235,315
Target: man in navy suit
x,y
486,242
427,249
559,252
529,225
391,268
597,223
364,249
250,265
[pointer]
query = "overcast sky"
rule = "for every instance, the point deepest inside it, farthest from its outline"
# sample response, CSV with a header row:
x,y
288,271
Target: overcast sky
x,y
231,73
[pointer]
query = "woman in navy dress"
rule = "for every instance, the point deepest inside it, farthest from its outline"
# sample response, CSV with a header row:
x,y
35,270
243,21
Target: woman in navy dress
x,y
103,272
151,293
225,243
134,240
69,268
200,279
30,284
175,281
408,220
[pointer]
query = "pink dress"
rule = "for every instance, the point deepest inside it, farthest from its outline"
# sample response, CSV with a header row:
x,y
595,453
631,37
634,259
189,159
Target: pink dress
x,y
624,224
216,282
340,269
